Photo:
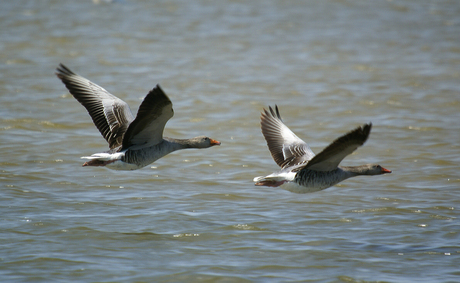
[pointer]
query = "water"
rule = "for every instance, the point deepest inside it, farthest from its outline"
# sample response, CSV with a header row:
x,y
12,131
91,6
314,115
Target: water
x,y
195,215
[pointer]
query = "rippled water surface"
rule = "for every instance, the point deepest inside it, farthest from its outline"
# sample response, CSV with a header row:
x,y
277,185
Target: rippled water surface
x,y
195,215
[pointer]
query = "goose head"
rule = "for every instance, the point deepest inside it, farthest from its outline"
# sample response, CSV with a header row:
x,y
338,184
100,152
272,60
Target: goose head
x,y
203,142
372,169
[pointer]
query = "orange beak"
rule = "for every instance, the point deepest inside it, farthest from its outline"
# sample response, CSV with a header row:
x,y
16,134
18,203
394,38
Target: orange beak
x,y
385,170
214,142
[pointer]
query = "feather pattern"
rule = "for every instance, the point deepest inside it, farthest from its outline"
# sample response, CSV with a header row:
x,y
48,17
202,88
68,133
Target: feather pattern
x,y
110,114
285,147
153,113
330,158
133,142
302,171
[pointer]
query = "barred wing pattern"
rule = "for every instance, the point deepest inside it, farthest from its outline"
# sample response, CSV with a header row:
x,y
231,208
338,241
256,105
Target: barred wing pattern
x,y
110,114
285,147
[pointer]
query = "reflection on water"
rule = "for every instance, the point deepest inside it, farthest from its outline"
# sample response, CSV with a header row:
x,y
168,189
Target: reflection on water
x,y
195,215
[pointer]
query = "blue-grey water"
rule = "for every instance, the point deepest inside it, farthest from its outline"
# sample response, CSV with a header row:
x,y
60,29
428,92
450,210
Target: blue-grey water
x,y
195,215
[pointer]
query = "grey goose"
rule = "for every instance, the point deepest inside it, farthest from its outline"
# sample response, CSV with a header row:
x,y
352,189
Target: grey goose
x,y
134,142
301,170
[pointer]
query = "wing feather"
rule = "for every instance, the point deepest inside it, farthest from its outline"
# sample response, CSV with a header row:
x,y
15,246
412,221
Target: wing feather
x,y
147,128
110,114
285,147
333,154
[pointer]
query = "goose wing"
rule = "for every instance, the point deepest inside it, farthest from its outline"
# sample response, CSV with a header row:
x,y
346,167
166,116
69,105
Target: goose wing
x,y
285,147
333,154
147,128
110,114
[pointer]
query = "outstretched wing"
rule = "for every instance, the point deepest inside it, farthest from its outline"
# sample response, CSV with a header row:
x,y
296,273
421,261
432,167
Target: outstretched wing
x,y
110,114
285,147
332,155
147,128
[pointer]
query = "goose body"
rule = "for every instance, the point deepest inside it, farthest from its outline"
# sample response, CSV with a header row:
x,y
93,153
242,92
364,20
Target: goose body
x,y
301,170
134,142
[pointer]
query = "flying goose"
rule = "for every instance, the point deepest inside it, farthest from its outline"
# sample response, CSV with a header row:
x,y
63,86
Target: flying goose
x,y
301,170
133,142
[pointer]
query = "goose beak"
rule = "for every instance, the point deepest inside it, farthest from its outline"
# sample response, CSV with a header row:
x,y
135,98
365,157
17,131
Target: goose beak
x,y
385,171
214,142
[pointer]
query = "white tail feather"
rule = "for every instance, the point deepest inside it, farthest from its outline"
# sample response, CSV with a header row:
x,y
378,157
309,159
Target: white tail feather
x,y
279,176
104,156
257,179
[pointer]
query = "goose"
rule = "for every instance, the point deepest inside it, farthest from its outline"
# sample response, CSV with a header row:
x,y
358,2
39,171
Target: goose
x,y
133,142
301,170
